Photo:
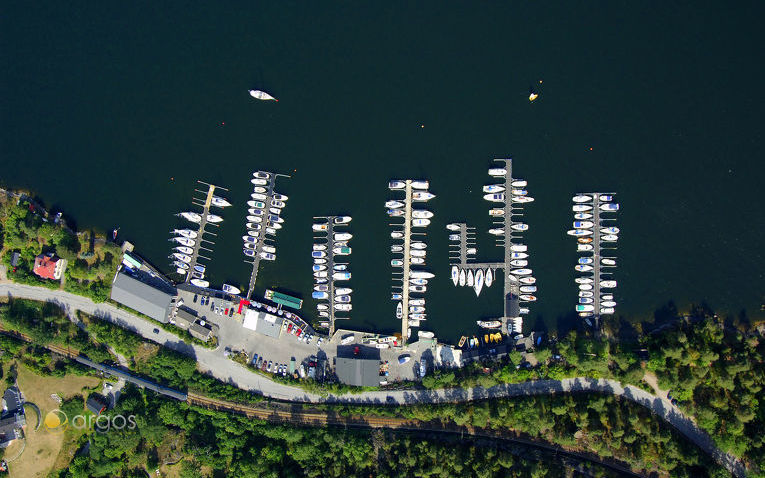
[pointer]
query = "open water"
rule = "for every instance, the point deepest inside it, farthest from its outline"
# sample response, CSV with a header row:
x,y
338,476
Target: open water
x,y
112,112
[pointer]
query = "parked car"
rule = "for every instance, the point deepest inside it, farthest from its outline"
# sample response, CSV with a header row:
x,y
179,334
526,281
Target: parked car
x,y
156,331
231,312
195,298
318,342
289,329
270,366
254,358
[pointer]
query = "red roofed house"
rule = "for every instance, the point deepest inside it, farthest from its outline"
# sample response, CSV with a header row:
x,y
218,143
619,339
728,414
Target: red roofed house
x,y
48,266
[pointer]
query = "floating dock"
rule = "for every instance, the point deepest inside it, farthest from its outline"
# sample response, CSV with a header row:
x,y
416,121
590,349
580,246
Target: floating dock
x,y
205,205
330,243
261,239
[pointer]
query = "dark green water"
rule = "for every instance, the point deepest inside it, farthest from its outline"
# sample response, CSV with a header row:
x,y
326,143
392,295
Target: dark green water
x,y
102,106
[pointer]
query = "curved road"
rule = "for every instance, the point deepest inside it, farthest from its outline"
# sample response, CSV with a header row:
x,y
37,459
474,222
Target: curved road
x,y
213,362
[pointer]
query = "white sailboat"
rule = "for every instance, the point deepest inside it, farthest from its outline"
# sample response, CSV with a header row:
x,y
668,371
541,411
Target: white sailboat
x,y
470,279
489,277
478,285
462,278
455,275
261,95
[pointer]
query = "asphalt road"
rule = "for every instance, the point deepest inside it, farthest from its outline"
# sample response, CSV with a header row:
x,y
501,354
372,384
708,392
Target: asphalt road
x,y
228,371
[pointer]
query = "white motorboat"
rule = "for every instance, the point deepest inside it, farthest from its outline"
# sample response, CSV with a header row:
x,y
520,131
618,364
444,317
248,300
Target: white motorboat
x,y
219,202
609,206
343,307
454,237
579,232
518,255
519,262
421,213
319,227
396,296
343,298
498,197
416,309
528,280
321,288
422,196
322,306
416,301
528,288
581,207
518,247
324,314
182,257
200,283
340,267
585,260
606,197
489,324
258,196
610,230
455,275
527,297
608,303
608,284
462,278
191,216
582,198
342,219
418,253
261,175
496,212
320,274
606,296
421,274
396,184
586,286
230,289
497,231
420,222
519,226
580,216
261,95
256,204
341,251
271,230
249,252
397,248
471,251
425,335
521,272
270,249
585,308
453,227
606,310
255,219
319,247
256,212
420,184
523,199
584,247
255,226
187,233
342,236
418,245
396,212
583,268
344,275
181,265
396,235
343,291
584,280
418,288
519,183
399,310
279,204
184,249
269,256
275,219
259,182
184,241
497,172
181,271
493,188
609,238
478,285
394,204
213,218
254,234
260,189
489,277
586,293
319,295
608,261
275,210
519,192
319,261
583,224
280,197
470,278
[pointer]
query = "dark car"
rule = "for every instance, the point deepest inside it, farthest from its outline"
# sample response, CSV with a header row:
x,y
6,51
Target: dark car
x,y
195,298
231,312
156,331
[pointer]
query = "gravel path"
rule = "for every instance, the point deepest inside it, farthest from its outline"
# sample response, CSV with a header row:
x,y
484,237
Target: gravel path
x,y
228,371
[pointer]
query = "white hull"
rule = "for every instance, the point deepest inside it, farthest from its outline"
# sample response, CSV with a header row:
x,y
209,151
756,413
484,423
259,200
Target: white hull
x,y
261,95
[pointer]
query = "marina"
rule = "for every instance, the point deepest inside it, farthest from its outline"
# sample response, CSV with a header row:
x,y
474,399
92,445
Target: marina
x,y
327,270
596,233
262,223
507,198
186,262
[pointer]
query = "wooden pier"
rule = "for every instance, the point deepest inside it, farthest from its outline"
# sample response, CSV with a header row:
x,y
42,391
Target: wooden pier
x,y
330,271
195,255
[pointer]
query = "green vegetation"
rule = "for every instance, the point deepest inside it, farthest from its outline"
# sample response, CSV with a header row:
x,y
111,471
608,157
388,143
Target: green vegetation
x,y
91,263
716,373
211,443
